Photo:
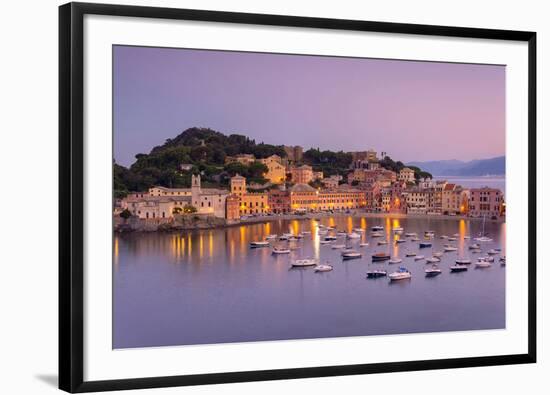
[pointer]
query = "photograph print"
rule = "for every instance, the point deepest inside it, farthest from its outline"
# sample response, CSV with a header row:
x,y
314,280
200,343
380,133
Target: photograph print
x,y
269,197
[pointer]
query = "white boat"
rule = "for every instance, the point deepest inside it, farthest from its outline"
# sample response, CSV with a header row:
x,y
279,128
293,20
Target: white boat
x,y
401,274
382,242
306,232
474,246
429,233
280,250
359,230
476,251
443,237
409,254
433,260
304,262
338,246
364,245
493,252
398,229
482,262
458,268
463,261
450,248
432,271
353,235
489,258
483,238
377,228
324,242
323,268
351,255
452,239
377,234
415,239
346,250
258,244
410,234
342,233
283,238
419,257
456,235
467,237
437,254
395,260
270,237
502,261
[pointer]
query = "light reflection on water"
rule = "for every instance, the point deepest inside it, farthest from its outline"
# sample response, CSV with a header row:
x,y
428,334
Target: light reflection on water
x,y
208,286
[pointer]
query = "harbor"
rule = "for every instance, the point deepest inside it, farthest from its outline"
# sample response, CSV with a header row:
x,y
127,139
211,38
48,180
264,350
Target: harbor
x,y
165,282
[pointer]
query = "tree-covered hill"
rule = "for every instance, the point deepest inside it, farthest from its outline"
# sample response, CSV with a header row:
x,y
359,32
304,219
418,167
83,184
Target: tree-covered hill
x,y
203,148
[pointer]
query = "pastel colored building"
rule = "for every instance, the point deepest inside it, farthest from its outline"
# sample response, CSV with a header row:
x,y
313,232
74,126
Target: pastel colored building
x,y
279,201
294,153
303,198
302,174
232,208
249,203
417,201
486,202
341,199
406,175
244,159
276,171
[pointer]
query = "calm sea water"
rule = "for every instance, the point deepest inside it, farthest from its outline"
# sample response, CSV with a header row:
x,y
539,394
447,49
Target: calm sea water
x,y
210,287
477,182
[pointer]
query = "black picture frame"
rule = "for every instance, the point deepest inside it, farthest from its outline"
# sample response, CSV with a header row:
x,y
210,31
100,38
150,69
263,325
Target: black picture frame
x,y
71,195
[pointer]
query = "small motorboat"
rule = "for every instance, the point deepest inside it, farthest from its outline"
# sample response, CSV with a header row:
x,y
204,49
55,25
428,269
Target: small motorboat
x,y
304,262
415,238
458,268
399,241
424,244
377,228
432,271
443,237
283,238
410,234
306,232
353,235
376,273
378,257
342,233
452,239
483,263
323,268
502,261
259,244
382,242
493,252
377,234
346,250
476,251
324,242
433,260
429,233
419,258
351,255
467,237
463,261
338,246
398,229
450,248
401,274
483,239
489,258
359,230
410,254
474,246
396,260
270,237
331,238
364,245
438,254
280,250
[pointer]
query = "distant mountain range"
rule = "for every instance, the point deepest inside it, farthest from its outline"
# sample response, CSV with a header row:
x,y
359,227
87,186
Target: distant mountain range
x,y
478,167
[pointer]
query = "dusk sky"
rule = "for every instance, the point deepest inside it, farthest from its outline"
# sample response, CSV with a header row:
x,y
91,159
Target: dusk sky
x,y
412,110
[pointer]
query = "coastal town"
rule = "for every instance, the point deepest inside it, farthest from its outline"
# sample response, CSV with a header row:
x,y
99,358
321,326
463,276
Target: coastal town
x,y
295,188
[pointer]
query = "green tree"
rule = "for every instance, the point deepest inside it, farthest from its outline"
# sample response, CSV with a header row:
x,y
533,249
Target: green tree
x,y
125,214
189,209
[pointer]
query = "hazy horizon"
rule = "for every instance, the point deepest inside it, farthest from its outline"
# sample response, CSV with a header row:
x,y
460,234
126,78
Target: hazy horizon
x,y
415,111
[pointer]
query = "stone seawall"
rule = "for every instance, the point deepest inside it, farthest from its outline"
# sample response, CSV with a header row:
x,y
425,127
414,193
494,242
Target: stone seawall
x,y
179,222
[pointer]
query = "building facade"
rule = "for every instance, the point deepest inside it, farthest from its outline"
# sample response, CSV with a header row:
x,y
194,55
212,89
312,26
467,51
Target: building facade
x,y
406,175
276,171
302,174
486,202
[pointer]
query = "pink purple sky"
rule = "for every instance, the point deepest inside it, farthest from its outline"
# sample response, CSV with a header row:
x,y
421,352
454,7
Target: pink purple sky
x,y
414,111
